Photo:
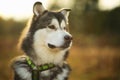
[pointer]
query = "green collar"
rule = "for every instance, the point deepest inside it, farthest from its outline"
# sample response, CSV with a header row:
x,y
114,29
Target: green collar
x,y
41,67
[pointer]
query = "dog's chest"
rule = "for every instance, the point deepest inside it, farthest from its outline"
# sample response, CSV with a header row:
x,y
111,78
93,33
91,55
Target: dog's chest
x,y
52,74
24,72
55,74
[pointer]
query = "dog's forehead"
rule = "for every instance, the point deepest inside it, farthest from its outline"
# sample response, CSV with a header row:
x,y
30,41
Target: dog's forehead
x,y
55,22
56,15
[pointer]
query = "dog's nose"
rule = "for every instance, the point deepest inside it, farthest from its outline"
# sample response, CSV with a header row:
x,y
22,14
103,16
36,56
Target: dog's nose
x,y
67,38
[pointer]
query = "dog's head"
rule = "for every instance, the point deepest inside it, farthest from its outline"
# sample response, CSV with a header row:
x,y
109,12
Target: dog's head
x,y
48,30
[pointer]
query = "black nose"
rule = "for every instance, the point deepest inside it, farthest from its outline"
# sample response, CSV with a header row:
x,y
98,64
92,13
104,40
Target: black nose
x,y
67,38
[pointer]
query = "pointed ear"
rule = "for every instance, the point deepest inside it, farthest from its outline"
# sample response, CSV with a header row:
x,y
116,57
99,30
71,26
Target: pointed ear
x,y
65,12
38,8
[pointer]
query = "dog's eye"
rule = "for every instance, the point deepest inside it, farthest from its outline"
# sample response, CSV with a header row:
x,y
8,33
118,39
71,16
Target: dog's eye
x,y
64,28
51,27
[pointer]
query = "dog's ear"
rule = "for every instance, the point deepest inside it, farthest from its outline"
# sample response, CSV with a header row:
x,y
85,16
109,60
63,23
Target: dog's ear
x,y
38,9
65,12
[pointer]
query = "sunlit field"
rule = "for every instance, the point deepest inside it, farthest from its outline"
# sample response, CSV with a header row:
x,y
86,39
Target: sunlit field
x,y
95,63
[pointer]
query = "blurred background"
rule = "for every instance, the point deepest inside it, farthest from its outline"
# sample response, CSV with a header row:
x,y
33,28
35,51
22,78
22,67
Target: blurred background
x,y
94,24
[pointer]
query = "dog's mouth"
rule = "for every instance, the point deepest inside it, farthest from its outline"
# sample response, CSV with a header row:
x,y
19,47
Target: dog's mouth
x,y
51,46
64,46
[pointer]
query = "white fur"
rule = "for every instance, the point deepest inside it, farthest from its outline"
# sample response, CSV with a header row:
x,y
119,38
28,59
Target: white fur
x,y
24,74
63,24
63,74
38,9
65,13
56,37
55,23
45,55
46,73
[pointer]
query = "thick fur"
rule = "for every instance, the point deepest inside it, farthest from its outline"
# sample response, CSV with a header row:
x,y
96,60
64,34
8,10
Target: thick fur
x,y
45,40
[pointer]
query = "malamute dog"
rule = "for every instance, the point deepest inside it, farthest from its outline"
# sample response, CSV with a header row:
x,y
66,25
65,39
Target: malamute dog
x,y
45,42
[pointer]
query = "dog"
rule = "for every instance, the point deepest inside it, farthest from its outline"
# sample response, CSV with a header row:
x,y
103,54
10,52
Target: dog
x,y
46,42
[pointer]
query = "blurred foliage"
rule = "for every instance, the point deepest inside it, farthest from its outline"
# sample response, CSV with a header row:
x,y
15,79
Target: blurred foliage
x,y
88,20
95,54
9,32
11,27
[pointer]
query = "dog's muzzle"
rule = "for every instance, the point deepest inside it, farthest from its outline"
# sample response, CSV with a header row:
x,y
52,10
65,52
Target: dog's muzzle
x,y
67,42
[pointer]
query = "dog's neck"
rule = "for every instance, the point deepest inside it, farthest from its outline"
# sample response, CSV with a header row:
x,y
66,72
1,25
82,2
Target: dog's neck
x,y
43,56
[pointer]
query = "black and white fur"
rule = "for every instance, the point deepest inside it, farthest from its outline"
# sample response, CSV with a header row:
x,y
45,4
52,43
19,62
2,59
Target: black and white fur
x,y
45,40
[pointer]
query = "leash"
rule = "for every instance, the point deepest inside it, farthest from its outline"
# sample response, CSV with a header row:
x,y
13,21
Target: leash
x,y
37,69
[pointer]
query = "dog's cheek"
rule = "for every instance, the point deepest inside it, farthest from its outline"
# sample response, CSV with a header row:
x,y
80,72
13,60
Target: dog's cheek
x,y
39,37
